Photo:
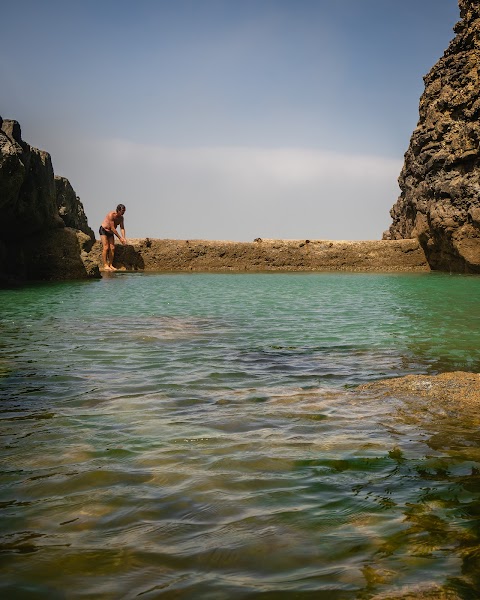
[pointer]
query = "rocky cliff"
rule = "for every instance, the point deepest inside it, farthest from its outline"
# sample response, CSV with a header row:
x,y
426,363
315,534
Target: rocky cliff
x,y
440,180
44,233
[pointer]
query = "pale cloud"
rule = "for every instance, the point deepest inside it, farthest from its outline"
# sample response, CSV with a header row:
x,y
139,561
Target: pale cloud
x,y
237,193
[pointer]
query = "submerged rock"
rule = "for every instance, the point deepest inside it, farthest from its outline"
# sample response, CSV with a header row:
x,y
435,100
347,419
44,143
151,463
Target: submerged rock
x,y
440,180
456,391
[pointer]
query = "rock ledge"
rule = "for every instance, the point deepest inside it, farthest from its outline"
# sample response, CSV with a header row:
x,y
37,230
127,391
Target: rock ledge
x,y
267,255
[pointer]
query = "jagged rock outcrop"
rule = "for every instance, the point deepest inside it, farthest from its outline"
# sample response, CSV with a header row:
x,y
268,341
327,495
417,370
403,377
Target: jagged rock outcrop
x,y
27,185
34,240
440,180
70,208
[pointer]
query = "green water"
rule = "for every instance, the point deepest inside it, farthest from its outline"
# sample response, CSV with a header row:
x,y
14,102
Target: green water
x,y
201,436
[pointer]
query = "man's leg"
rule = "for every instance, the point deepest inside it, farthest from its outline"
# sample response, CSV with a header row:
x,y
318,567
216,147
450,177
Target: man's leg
x,y
105,252
112,253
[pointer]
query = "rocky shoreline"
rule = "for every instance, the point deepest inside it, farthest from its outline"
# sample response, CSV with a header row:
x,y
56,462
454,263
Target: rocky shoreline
x,y
266,255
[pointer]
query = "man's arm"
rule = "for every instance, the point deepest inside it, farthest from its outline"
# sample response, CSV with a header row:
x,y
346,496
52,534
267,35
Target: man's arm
x,y
123,239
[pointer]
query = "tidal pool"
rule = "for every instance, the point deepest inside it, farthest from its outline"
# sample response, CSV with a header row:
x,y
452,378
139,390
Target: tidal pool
x,y
202,436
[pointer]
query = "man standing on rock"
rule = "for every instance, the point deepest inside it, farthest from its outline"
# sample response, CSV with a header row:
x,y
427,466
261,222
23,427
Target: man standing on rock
x,y
108,231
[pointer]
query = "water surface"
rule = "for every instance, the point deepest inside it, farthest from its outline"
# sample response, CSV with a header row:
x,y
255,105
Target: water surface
x,y
200,436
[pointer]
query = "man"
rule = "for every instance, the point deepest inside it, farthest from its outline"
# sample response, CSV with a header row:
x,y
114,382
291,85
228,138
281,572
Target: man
x,y
108,231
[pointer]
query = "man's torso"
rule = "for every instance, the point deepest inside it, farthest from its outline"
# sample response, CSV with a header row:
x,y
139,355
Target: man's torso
x,y
112,220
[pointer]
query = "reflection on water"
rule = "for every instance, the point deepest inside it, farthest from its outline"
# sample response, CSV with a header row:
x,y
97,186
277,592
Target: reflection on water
x,y
200,436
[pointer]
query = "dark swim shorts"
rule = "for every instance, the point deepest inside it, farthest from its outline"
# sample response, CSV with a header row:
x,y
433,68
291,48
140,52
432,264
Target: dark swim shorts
x,y
103,231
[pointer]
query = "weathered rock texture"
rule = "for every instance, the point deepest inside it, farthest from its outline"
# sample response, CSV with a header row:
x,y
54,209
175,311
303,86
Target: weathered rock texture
x,y
34,240
267,255
440,181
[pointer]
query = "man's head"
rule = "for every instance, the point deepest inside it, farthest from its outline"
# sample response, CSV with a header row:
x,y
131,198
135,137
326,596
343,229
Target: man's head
x,y
121,209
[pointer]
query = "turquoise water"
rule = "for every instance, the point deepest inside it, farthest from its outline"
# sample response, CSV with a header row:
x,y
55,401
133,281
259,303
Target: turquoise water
x,y
200,436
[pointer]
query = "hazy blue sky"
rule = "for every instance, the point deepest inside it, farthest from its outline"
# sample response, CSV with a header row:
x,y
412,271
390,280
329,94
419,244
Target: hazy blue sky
x,y
225,119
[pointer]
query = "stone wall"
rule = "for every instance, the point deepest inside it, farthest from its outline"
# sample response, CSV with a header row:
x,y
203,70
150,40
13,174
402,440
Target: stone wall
x,y
34,240
440,180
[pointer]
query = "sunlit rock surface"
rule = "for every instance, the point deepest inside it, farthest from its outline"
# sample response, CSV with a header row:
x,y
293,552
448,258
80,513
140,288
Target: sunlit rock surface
x,y
267,255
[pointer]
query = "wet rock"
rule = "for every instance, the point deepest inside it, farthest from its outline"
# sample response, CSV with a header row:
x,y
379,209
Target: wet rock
x,y
420,592
455,391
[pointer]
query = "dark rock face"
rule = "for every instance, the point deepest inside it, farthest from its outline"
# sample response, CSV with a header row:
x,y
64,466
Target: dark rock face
x,y
26,185
440,180
30,216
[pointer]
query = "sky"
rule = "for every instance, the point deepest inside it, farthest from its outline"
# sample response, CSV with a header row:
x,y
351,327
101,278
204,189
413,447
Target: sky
x,y
225,119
